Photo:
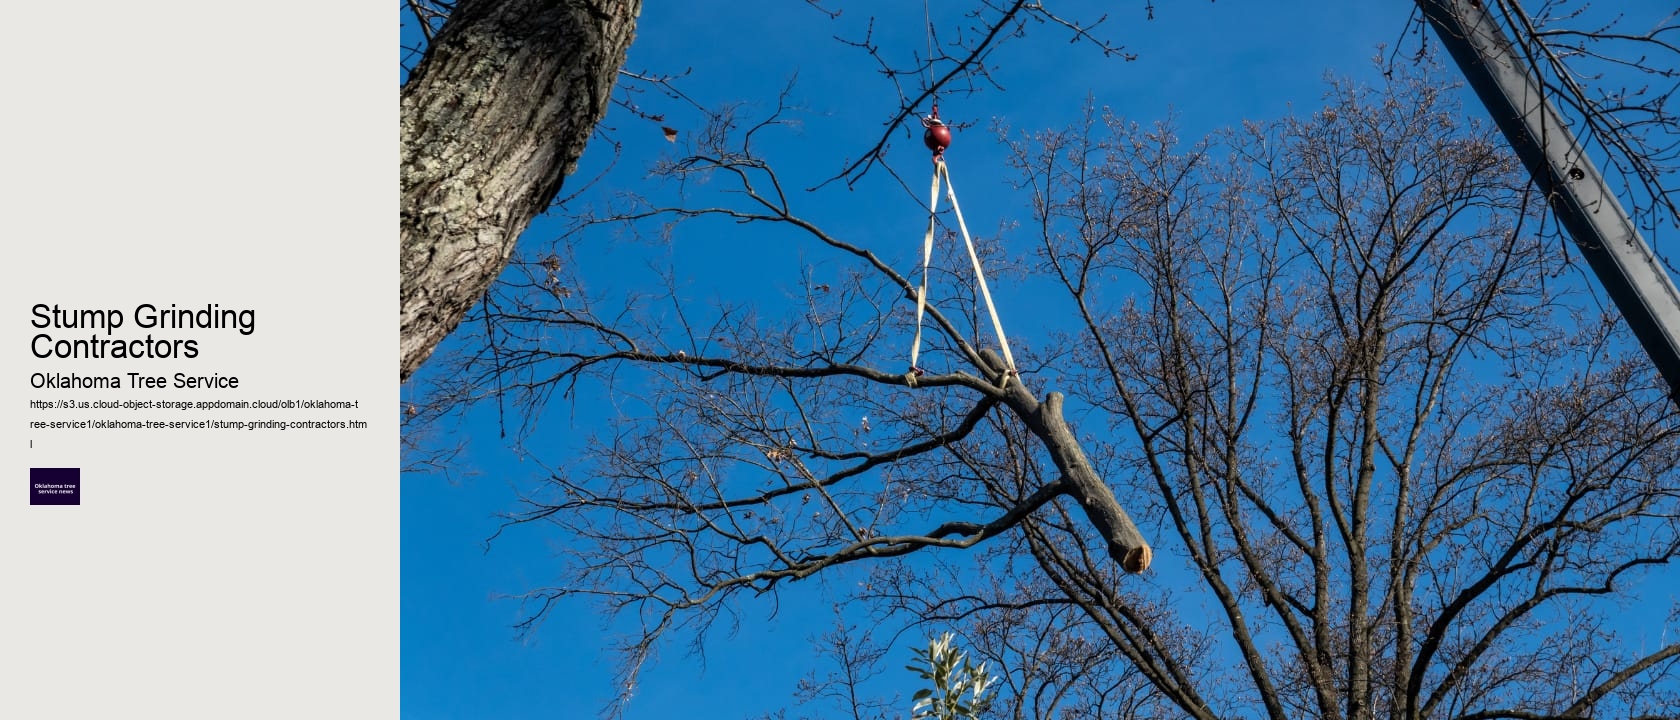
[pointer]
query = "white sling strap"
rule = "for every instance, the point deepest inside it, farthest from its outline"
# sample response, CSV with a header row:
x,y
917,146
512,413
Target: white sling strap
x,y
941,171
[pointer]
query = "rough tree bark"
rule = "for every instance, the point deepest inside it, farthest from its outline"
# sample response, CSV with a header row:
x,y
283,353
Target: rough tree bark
x,y
493,119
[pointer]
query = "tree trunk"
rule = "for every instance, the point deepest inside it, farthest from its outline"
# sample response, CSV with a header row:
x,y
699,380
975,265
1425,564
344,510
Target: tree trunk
x,y
493,119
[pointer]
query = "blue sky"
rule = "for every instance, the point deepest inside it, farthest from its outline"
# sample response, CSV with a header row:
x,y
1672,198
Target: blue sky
x,y
1210,65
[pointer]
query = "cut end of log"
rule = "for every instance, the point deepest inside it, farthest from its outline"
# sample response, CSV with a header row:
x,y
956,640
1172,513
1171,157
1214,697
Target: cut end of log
x,y
1137,559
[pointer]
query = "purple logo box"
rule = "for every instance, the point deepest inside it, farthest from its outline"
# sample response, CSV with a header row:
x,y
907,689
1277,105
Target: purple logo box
x,y
55,486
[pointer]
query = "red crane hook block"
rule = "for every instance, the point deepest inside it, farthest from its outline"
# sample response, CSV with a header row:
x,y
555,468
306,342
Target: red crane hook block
x,y
938,134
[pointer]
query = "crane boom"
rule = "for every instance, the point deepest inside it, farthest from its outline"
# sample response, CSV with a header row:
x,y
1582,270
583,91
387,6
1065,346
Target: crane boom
x,y
1561,168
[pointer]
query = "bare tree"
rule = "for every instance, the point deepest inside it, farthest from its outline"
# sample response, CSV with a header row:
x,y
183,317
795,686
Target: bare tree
x,y
1397,470
1382,440
506,93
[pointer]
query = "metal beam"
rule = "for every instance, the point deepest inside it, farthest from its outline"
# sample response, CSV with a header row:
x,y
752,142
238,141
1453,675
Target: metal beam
x,y
1562,170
